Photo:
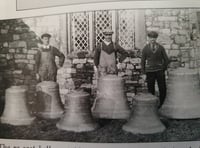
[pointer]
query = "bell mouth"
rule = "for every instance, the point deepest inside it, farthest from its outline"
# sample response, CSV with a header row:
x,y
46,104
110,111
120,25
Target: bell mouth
x,y
110,77
77,93
18,88
15,86
48,84
145,97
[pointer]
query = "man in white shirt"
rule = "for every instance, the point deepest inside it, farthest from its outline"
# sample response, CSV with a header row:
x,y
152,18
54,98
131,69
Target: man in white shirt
x,y
105,57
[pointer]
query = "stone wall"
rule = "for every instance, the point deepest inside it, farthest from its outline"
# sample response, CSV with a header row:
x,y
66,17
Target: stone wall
x,y
19,38
174,28
17,54
195,34
18,48
54,24
77,72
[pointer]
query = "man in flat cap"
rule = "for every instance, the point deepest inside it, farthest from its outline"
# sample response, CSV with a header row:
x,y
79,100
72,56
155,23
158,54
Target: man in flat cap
x,y
105,57
46,68
154,62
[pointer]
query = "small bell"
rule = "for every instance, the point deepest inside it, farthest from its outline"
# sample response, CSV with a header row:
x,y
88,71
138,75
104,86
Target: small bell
x,y
111,102
49,101
183,95
77,116
16,111
144,119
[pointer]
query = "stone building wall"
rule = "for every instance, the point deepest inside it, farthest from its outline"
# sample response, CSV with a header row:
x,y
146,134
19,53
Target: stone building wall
x,y
195,34
174,28
54,25
17,53
77,72
18,47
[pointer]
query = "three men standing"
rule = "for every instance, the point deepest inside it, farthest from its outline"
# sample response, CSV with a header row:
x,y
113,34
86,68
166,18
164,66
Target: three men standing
x,y
154,61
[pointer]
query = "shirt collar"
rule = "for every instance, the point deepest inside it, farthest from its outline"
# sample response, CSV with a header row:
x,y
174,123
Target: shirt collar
x,y
106,42
46,46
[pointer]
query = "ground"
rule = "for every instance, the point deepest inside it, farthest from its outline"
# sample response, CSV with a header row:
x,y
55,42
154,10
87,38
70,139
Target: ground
x,y
110,131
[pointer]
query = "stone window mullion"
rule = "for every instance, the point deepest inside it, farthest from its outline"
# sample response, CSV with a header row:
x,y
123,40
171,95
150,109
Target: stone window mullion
x,y
114,25
91,31
69,36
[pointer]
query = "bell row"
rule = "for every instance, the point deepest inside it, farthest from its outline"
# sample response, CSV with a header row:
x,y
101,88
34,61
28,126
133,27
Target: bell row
x,y
77,115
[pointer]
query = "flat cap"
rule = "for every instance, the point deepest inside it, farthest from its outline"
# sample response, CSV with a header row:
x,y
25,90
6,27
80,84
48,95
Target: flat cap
x,y
107,32
153,34
45,35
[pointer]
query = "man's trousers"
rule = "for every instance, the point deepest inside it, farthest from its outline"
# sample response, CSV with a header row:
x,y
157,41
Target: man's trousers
x,y
158,76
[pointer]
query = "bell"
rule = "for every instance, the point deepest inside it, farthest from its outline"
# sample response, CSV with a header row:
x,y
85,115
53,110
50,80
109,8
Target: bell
x,y
183,95
77,116
111,102
16,111
144,118
49,101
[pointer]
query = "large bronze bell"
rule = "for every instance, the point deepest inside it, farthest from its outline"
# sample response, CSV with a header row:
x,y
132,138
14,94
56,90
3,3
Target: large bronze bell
x,y
77,116
144,118
49,101
111,102
183,95
16,111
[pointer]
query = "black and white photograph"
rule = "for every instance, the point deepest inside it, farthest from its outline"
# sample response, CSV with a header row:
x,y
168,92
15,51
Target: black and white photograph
x,y
102,76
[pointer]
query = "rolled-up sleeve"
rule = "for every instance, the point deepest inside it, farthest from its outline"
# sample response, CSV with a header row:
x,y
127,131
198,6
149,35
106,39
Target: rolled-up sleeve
x,y
122,52
97,53
60,55
37,60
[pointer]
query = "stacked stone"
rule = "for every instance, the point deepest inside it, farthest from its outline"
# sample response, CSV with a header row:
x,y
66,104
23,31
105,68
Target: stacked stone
x,y
17,54
173,26
195,37
64,78
130,70
76,73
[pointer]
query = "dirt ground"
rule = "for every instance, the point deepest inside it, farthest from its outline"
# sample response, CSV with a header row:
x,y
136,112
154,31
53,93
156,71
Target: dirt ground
x,y
109,131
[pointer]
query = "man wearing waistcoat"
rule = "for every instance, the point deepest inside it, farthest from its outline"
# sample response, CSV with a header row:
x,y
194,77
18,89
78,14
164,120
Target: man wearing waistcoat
x,y
154,62
46,68
105,57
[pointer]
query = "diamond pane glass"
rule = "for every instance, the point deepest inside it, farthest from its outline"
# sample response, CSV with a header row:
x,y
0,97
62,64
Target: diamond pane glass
x,y
103,20
126,29
80,31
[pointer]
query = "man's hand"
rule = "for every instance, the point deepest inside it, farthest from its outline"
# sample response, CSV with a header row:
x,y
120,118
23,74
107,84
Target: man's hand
x,y
143,76
37,77
59,66
95,69
96,72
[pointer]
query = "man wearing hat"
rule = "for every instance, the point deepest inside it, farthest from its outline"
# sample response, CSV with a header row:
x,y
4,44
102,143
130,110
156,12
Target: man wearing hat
x,y
46,68
154,62
105,57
